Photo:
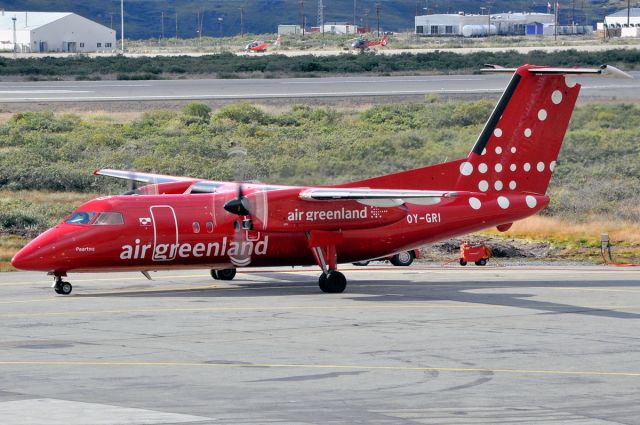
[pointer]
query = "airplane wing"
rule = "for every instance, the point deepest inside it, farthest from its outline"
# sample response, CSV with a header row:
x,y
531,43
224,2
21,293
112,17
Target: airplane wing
x,y
140,177
379,197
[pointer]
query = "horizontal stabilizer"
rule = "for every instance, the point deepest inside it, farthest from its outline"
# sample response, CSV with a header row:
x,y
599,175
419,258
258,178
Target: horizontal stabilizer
x,y
604,70
140,177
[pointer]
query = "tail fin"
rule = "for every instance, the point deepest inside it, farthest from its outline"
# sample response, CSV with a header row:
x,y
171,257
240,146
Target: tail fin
x,y
518,148
519,145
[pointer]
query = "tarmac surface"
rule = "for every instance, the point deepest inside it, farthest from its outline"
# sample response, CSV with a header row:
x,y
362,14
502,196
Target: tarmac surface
x,y
418,345
245,89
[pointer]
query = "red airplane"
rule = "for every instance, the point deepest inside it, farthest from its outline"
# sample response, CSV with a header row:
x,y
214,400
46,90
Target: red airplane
x,y
182,222
364,44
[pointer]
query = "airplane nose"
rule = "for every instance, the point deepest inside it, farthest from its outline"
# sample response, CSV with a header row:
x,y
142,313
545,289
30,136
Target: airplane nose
x,y
25,259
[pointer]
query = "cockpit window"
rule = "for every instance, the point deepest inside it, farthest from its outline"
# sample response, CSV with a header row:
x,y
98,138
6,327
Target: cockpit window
x,y
108,219
80,217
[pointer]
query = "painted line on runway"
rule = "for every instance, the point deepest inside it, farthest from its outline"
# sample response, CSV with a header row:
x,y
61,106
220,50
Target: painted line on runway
x,y
386,306
247,96
328,366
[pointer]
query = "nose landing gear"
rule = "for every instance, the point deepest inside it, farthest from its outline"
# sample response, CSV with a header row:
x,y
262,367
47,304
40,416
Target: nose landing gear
x,y
61,287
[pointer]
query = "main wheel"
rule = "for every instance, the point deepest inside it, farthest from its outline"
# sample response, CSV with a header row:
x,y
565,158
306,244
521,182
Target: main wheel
x,y
361,263
226,274
63,288
214,274
463,262
403,259
481,262
332,283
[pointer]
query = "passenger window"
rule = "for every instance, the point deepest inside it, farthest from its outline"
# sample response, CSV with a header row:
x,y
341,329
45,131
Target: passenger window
x,y
209,226
80,217
196,227
108,219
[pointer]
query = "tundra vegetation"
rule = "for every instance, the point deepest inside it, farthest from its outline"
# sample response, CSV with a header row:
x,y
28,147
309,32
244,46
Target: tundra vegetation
x,y
229,65
47,159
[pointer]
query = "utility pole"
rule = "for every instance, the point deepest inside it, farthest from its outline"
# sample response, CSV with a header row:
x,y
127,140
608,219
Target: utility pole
x,y
111,19
555,27
354,14
366,20
162,25
220,19
378,16
302,16
15,47
628,13
321,16
241,21
177,33
122,25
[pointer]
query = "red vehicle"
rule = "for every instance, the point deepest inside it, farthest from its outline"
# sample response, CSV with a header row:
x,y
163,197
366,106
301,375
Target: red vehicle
x,y
402,259
184,222
478,254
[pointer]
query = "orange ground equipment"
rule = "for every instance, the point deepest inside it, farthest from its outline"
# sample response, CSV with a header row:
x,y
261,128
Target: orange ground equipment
x,y
479,254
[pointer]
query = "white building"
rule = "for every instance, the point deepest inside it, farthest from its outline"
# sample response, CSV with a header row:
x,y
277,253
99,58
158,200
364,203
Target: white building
x,y
340,28
479,25
53,32
624,23
289,29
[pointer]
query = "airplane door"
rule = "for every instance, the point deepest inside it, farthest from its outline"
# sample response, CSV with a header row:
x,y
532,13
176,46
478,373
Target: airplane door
x,y
165,233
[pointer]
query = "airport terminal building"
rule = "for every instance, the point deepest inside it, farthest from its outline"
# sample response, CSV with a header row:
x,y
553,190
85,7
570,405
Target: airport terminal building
x,y
33,32
461,24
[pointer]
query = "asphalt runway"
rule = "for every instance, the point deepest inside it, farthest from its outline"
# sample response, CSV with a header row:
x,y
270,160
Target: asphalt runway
x,y
417,345
251,89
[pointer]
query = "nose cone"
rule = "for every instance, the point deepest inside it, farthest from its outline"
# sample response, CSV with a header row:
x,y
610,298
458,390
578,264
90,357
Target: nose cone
x,y
42,253
27,258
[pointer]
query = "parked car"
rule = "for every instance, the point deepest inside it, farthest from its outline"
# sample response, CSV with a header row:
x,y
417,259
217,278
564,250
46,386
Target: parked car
x,y
404,258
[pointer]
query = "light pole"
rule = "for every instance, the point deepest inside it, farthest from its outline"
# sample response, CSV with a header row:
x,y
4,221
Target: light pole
x,y
15,47
378,17
220,26
122,25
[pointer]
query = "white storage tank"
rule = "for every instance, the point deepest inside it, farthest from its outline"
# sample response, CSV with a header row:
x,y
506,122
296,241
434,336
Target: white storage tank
x,y
479,30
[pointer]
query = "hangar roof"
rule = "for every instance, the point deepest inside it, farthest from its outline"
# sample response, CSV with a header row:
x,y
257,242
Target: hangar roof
x,y
30,20
634,12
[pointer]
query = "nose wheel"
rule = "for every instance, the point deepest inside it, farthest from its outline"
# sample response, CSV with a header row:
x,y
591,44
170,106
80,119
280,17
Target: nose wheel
x,y
61,287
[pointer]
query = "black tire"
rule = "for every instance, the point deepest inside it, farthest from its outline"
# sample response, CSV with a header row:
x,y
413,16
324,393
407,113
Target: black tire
x,y
481,262
361,263
463,262
214,274
402,259
56,288
65,288
226,274
333,283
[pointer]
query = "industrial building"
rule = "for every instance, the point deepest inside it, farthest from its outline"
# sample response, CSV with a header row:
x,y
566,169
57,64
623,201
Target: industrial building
x,y
623,23
465,25
30,32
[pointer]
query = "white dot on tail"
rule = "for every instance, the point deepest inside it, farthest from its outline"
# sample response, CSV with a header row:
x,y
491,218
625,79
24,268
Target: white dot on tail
x,y
513,150
512,185
498,150
483,168
483,186
527,166
556,97
542,115
475,203
552,166
513,167
527,132
570,82
540,166
497,132
498,168
466,168
498,185
484,151
531,201
503,202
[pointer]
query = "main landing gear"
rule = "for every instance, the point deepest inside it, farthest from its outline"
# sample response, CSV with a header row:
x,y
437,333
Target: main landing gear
x,y
333,282
61,287
224,274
